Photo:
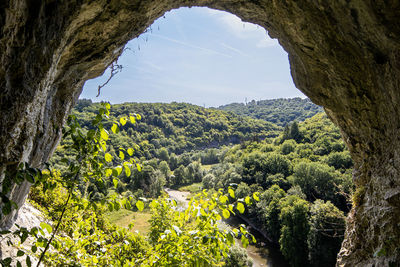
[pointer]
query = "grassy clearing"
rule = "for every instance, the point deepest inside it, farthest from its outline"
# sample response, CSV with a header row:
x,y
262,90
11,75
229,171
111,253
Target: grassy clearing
x,y
192,188
123,218
208,167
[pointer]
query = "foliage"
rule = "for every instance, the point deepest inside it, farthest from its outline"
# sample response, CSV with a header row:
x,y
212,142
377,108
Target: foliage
x,y
279,111
238,258
189,237
295,228
327,225
291,175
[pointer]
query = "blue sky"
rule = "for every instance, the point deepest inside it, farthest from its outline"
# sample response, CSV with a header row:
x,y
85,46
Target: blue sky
x,y
200,56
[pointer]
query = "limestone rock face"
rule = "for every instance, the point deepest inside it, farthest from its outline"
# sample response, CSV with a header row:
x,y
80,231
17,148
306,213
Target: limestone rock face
x,y
344,54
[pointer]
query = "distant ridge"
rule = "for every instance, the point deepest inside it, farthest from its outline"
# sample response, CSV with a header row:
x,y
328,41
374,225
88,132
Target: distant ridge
x,y
279,111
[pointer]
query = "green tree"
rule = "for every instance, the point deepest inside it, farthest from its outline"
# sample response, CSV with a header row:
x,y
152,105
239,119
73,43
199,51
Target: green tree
x,y
270,204
295,228
316,180
327,226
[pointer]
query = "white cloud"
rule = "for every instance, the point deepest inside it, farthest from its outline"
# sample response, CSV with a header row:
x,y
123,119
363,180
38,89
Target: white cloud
x,y
244,30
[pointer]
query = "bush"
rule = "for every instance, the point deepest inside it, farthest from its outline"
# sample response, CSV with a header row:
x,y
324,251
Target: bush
x,y
238,258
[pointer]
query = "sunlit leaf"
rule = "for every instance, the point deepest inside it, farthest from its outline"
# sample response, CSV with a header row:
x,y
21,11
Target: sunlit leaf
x,y
127,171
231,192
240,207
108,157
108,172
130,151
132,119
139,167
46,226
139,205
138,117
121,155
122,120
119,170
115,128
245,241
223,199
115,182
226,213
256,196
104,134
247,200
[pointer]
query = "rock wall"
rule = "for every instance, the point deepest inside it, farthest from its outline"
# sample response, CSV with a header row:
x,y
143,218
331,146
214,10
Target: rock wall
x,y
344,54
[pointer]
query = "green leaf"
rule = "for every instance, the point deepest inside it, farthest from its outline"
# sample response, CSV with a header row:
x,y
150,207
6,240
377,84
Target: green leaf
x,y
107,105
231,193
6,261
130,151
108,157
46,226
223,199
139,205
247,200
104,134
115,182
24,237
6,208
226,213
240,207
121,155
235,231
256,196
115,128
108,172
19,264
34,248
119,170
28,261
132,119
122,120
245,241
20,253
139,168
127,171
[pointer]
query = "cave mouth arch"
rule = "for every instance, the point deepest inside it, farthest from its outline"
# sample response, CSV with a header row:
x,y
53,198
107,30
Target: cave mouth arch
x,y
343,56
201,56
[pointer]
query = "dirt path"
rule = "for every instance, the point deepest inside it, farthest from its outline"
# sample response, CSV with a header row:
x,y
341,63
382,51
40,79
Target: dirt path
x,y
179,196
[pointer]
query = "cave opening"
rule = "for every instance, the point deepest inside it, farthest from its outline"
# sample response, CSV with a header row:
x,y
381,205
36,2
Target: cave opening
x,y
343,56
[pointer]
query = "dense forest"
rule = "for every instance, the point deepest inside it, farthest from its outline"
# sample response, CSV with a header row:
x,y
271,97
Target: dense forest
x,y
293,184
304,178
278,111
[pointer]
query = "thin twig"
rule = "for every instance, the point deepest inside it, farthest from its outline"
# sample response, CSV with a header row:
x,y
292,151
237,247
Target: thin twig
x,y
55,230
115,68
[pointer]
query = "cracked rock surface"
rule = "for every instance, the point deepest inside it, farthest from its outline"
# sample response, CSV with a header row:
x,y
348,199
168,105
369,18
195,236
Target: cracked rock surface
x,y
344,55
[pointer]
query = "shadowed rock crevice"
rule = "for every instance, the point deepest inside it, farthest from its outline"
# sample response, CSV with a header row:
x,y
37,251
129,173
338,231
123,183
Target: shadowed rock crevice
x,y
344,55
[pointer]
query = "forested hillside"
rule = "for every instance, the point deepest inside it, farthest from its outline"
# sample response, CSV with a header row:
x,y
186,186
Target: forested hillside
x,y
304,178
177,127
278,111
295,181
